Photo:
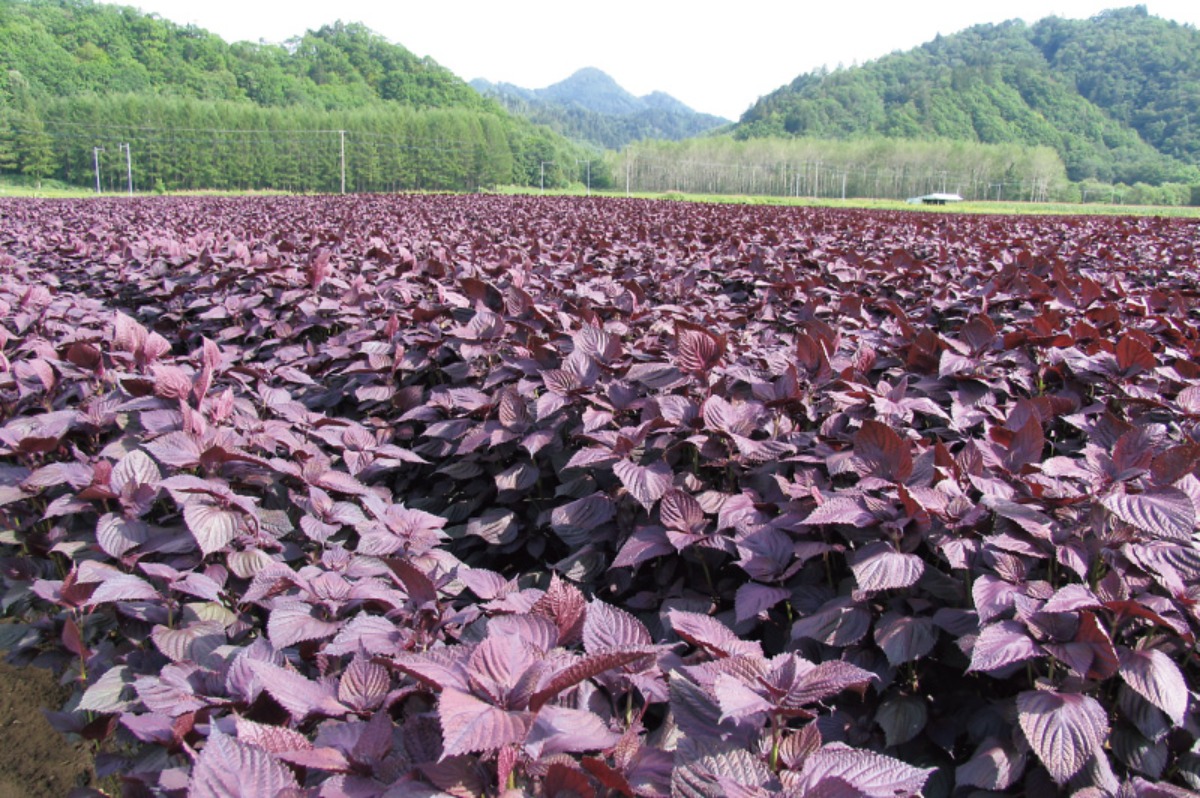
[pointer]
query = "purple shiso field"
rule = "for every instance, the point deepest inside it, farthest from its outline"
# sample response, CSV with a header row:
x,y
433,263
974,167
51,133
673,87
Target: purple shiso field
x,y
475,496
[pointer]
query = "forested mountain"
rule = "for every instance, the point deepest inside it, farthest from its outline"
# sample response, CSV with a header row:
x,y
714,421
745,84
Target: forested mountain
x,y
79,79
591,106
1117,95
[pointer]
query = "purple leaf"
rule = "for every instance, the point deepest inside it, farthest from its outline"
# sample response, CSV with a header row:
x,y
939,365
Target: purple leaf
x,y
373,634
839,623
573,521
1072,598
904,638
902,718
1153,676
995,766
753,598
497,526
840,510
213,527
878,566
227,768
699,350
135,468
737,700
607,627
709,633
1064,729
540,632
122,587
1002,644
439,668
364,684
108,694
496,666
559,730
272,739
584,668
1164,512
301,697
469,725
646,484
646,543
177,449
292,622
681,512
882,452
814,683
193,643
873,775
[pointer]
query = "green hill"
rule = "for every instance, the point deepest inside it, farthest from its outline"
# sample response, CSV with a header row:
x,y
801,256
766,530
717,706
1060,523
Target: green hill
x,y
591,106
80,79
1113,95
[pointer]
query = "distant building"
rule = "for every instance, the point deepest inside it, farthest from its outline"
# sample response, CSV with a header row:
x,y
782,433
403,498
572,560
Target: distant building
x,y
934,199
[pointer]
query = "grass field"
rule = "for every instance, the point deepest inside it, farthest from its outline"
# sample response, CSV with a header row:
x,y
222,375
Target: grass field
x,y
53,189
1038,208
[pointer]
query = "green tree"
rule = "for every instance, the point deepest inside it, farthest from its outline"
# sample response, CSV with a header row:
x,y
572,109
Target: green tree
x,y
33,148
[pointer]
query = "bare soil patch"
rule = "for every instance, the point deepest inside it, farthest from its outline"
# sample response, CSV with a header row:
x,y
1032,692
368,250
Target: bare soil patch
x,y
35,760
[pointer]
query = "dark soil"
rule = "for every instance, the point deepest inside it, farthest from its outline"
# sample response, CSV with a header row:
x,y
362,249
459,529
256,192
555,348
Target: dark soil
x,y
35,760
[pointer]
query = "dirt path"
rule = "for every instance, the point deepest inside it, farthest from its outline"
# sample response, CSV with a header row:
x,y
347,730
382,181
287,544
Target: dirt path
x,y
35,760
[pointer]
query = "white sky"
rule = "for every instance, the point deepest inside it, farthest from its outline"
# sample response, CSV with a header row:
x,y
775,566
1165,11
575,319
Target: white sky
x,y
717,58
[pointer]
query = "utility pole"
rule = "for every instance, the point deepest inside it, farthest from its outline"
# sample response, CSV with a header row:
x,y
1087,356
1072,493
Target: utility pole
x,y
96,160
626,175
128,166
543,175
342,137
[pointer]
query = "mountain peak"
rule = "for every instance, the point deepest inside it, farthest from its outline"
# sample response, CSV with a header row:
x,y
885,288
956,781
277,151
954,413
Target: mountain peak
x,y
594,90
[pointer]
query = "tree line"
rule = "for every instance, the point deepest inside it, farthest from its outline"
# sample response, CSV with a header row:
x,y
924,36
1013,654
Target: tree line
x,y
183,144
876,167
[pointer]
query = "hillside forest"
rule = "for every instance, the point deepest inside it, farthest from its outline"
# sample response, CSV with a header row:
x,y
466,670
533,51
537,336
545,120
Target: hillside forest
x,y
1068,110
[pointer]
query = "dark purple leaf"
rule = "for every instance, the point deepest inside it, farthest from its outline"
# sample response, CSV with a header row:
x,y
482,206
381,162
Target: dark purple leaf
x,y
565,605
753,598
905,638
838,623
573,521
681,512
995,766
1153,675
902,718
882,452
646,543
